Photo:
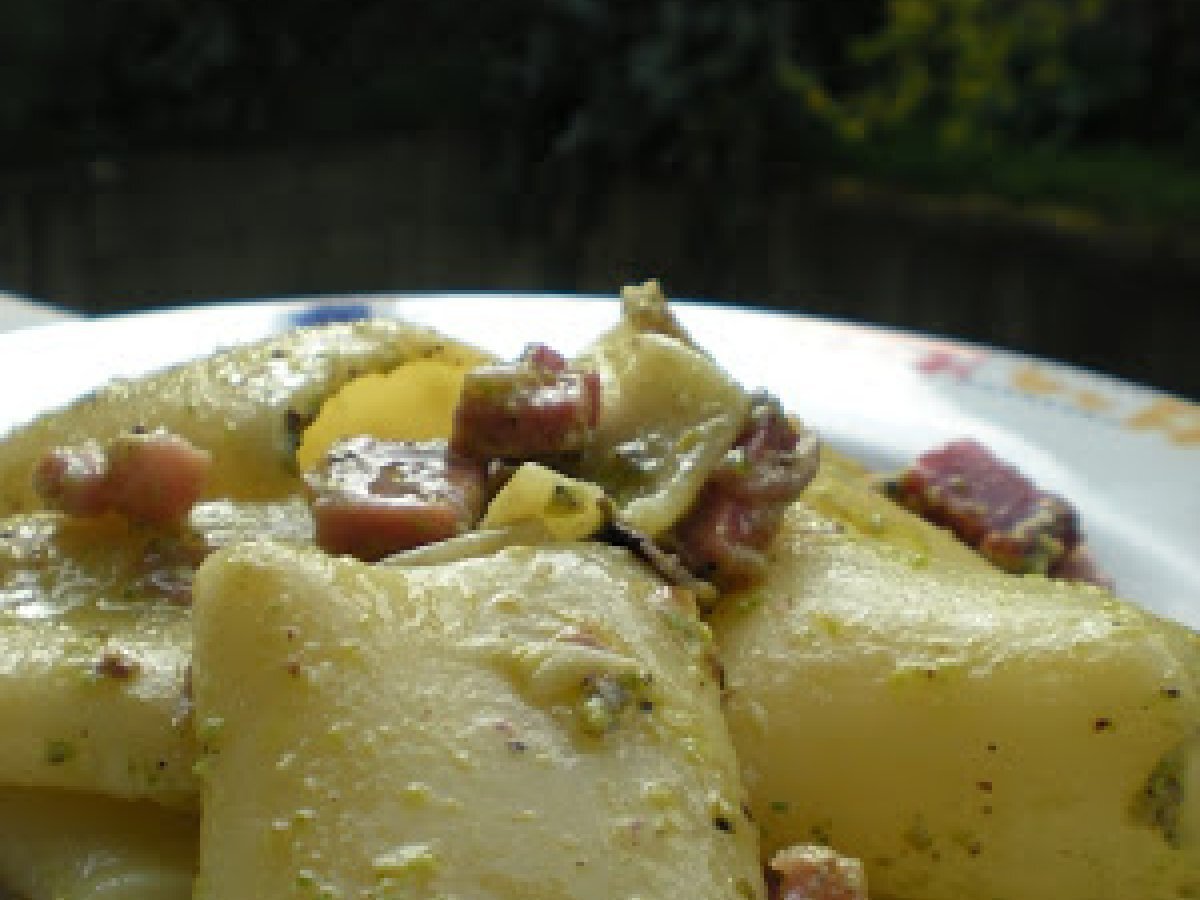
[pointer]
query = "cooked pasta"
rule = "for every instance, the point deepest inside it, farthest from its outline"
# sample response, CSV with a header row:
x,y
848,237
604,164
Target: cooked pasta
x,y
969,734
58,845
542,722
397,619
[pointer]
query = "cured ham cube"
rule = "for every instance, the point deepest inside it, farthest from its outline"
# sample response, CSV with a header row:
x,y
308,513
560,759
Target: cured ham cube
x,y
816,872
533,409
153,477
990,505
724,537
373,498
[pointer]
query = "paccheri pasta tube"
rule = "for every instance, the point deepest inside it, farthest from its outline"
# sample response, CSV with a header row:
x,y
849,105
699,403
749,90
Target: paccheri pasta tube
x,y
543,722
93,659
95,646
246,406
968,734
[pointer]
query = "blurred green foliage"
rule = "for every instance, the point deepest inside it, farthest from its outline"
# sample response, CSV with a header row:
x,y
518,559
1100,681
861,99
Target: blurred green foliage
x,y
972,70
570,94
1052,71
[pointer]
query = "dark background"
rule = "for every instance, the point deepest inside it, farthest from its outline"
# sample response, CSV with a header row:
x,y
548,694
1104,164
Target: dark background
x,y
1018,173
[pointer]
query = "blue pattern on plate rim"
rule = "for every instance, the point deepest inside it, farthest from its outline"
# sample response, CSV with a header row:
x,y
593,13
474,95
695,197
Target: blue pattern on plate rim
x,y
327,314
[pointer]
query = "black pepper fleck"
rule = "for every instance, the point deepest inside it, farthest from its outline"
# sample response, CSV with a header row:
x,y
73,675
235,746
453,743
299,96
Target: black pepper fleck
x,y
722,823
1103,723
295,421
115,664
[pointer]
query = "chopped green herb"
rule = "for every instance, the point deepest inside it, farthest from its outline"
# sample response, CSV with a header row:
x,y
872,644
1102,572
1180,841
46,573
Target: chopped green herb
x,y
1159,803
59,752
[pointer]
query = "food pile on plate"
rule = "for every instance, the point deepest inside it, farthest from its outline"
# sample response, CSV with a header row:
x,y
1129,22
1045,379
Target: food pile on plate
x,y
363,613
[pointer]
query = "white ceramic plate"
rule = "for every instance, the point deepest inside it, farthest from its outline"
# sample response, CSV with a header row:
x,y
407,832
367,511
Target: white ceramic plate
x,y
1127,456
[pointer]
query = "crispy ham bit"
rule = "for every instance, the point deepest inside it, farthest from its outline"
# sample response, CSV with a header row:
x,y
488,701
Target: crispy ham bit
x,y
536,408
541,356
725,535
815,872
372,498
994,508
1079,564
74,479
153,477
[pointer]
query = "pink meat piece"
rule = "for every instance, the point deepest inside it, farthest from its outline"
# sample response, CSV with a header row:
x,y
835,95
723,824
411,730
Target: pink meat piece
x,y
724,538
372,498
534,408
814,872
153,477
725,535
540,356
74,479
991,506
